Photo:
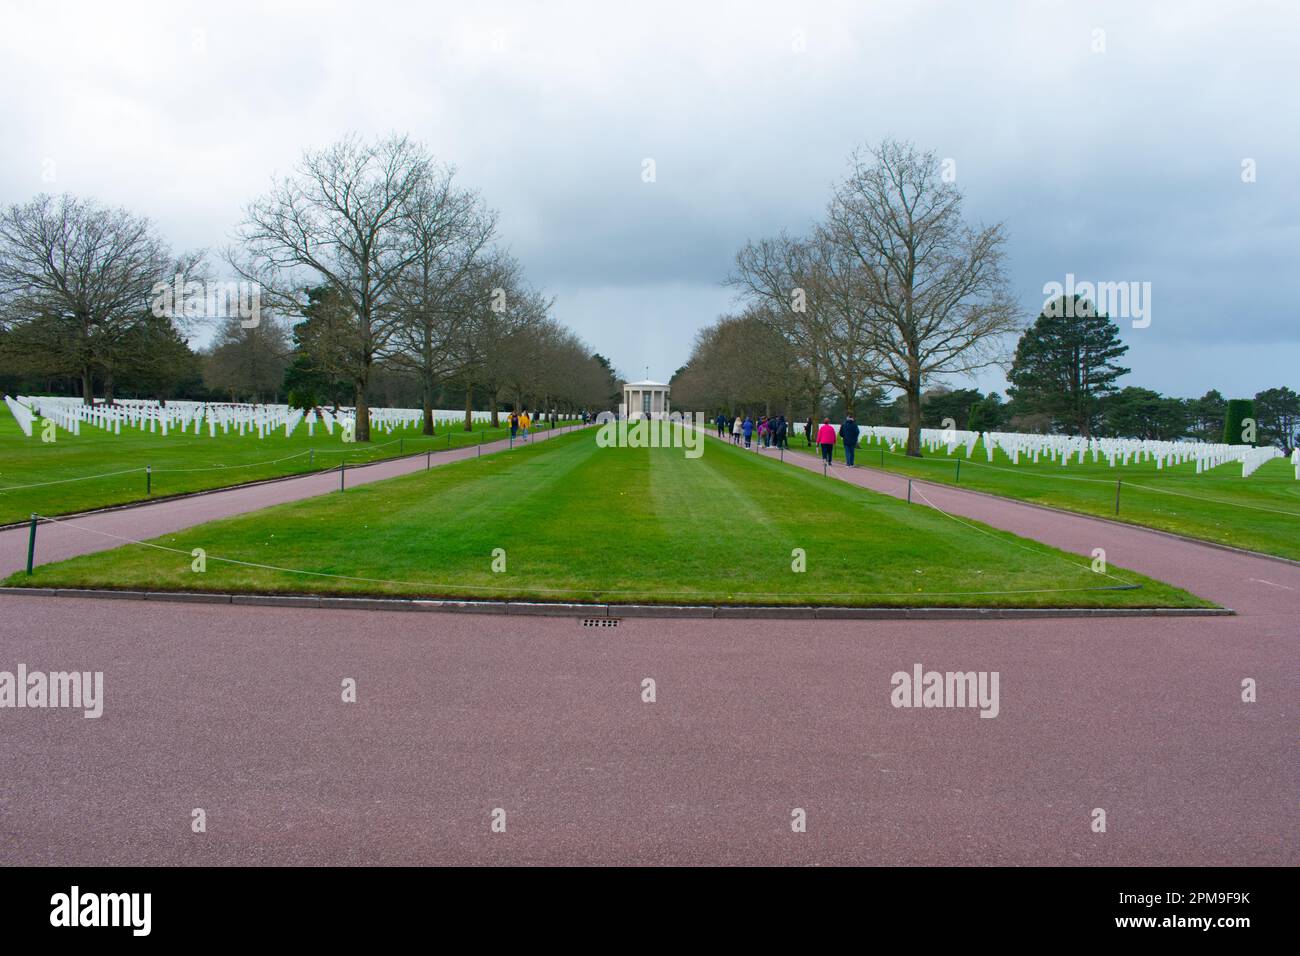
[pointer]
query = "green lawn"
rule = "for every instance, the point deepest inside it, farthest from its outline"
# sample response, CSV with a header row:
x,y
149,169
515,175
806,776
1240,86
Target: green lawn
x,y
62,470
581,523
1260,513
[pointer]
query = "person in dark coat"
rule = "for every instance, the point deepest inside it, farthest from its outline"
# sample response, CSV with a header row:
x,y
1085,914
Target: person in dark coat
x,y
849,435
808,433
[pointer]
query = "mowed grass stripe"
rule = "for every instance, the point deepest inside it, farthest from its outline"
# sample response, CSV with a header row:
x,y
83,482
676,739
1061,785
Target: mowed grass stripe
x,y
705,501
873,537
578,522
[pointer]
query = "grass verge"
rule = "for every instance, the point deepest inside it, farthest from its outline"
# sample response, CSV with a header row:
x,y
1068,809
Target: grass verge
x,y
569,521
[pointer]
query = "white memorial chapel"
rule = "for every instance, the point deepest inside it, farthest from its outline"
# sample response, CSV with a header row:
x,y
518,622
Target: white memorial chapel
x,y
645,399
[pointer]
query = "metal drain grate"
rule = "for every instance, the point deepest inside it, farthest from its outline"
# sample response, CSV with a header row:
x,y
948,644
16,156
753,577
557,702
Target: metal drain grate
x,y
600,622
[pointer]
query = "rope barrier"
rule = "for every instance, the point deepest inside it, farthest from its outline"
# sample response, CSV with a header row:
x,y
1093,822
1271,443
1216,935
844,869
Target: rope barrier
x,y
588,590
1218,501
1123,586
63,481
182,471
1010,471
251,464
1101,481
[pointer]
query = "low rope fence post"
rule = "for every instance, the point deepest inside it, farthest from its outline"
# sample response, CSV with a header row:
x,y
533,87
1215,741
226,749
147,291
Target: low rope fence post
x,y
31,545
148,479
909,491
342,480
957,480
1118,482
428,460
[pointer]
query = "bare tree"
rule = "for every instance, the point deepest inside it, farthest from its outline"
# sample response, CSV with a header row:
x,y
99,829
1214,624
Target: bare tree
x,y
76,278
496,309
248,362
342,219
791,282
935,287
563,359
581,380
528,365
449,230
740,363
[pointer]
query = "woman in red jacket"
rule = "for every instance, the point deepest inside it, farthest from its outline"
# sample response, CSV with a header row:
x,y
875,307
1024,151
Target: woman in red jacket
x,y
826,438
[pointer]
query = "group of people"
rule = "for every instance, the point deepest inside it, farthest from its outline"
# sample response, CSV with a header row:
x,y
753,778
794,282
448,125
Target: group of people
x,y
826,438
773,433
768,432
520,420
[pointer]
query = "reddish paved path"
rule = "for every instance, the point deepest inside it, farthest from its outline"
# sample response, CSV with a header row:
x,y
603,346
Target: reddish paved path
x,y
237,710
67,538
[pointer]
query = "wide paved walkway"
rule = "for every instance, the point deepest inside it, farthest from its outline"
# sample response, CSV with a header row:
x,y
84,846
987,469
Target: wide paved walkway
x,y
237,710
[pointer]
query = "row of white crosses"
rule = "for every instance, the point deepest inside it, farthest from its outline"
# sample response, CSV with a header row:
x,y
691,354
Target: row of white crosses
x,y
386,420
1062,449
932,439
263,420
1123,451
151,416
22,414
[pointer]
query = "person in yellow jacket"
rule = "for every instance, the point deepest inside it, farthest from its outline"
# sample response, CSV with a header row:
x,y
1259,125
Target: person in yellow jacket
x,y
524,422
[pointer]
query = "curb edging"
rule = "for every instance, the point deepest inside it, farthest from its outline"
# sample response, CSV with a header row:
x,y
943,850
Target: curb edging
x,y
663,611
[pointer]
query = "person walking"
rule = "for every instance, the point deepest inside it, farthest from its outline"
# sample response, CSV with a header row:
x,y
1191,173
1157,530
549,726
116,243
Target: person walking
x,y
780,431
721,422
826,438
735,431
849,435
514,425
808,432
524,422
748,429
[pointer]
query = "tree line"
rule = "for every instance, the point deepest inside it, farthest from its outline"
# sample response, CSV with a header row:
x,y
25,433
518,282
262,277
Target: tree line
x,y
375,274
892,293
893,288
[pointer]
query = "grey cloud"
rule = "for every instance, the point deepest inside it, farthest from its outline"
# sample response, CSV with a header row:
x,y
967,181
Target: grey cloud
x,y
1114,166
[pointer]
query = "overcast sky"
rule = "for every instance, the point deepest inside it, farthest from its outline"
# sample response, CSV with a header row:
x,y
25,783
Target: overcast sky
x,y
1120,165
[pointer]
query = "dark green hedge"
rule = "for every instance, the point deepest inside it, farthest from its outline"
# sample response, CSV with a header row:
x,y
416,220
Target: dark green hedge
x,y
1237,411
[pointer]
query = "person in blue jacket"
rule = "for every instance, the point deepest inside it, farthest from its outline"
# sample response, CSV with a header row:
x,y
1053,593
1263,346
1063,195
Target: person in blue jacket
x,y
748,429
849,435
